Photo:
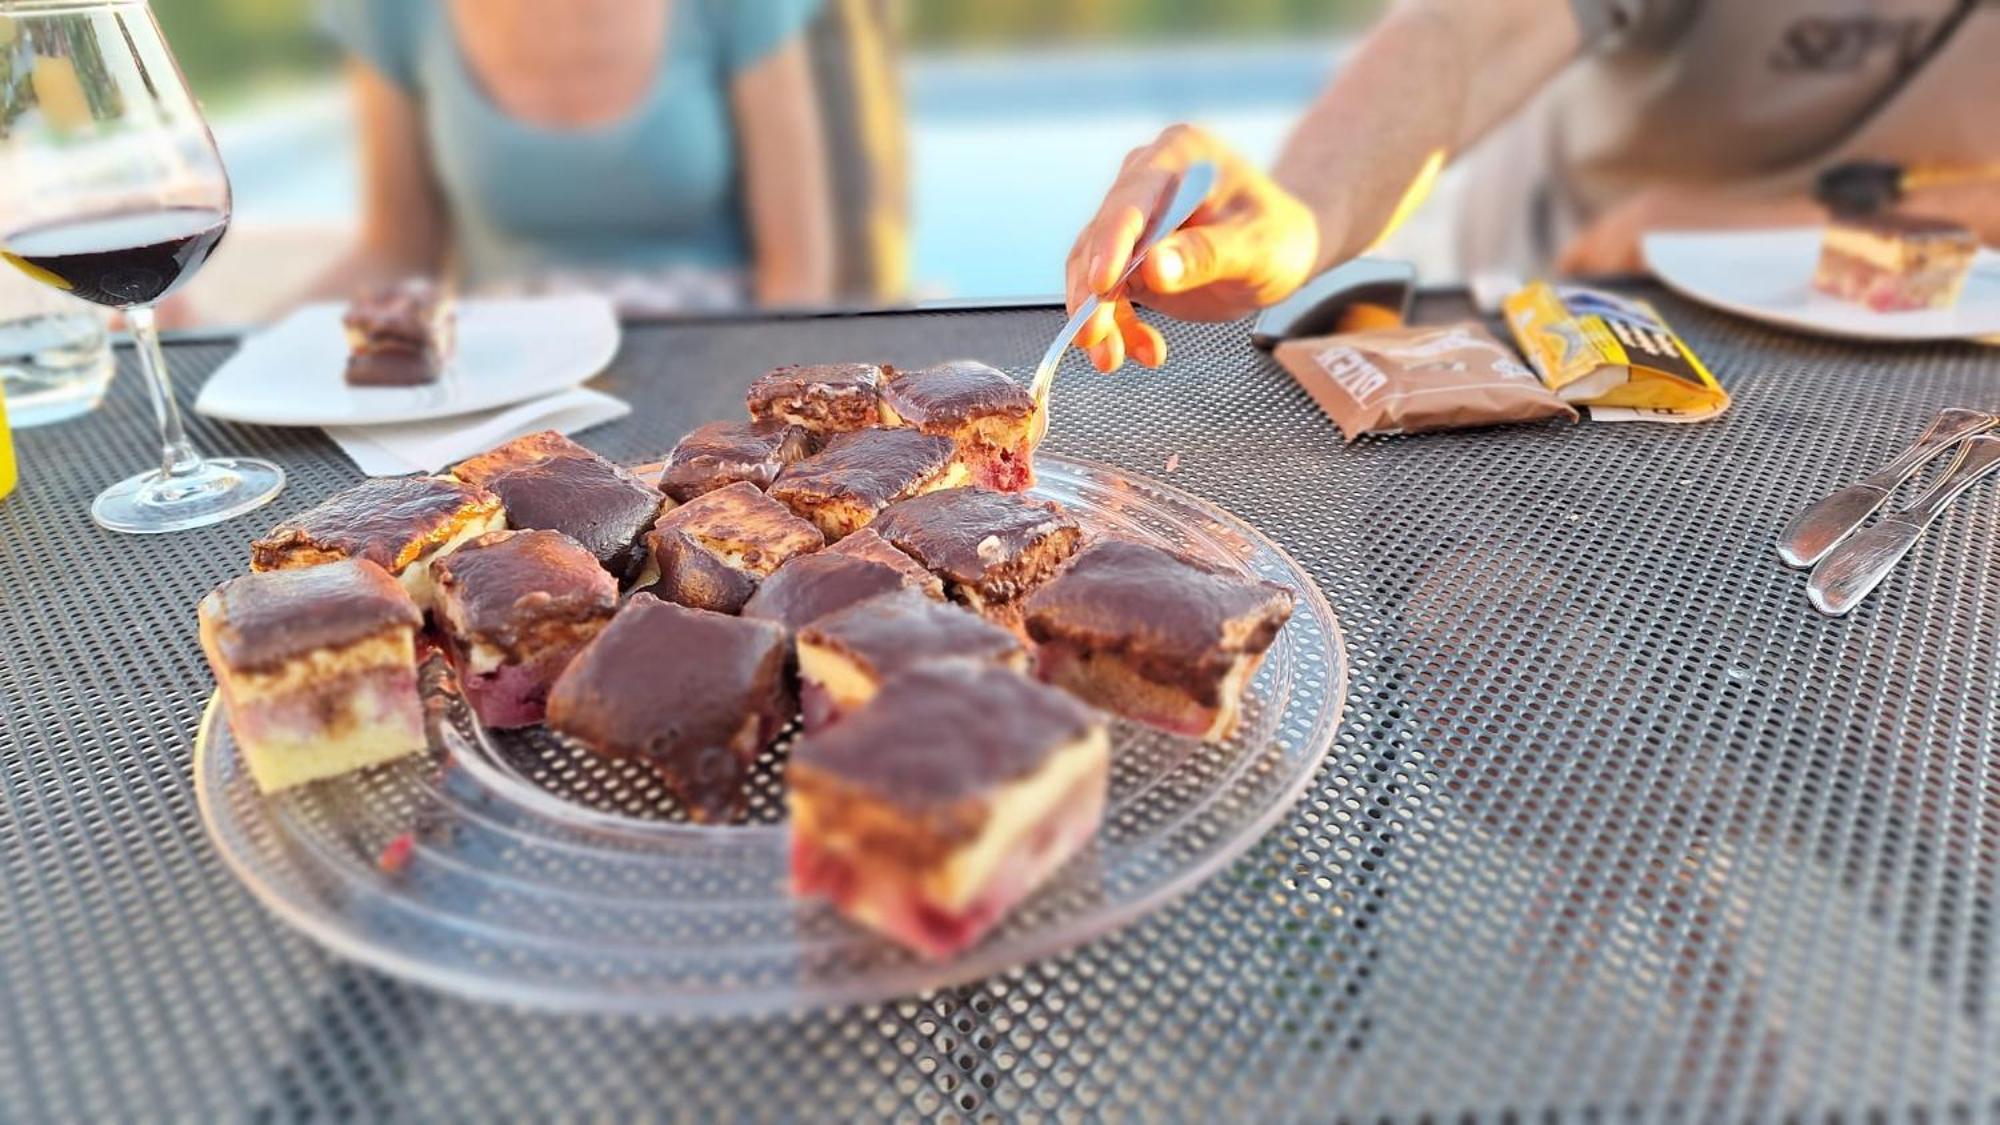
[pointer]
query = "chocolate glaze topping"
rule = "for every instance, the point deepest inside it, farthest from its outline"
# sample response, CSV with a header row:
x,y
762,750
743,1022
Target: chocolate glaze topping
x,y
695,694
693,575
375,520
812,586
868,467
393,367
740,514
588,499
405,313
868,544
947,733
262,621
889,634
968,535
1122,595
821,381
522,451
951,394
721,453
1901,224
506,584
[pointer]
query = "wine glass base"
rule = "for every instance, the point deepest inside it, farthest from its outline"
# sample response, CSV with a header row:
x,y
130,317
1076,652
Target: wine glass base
x,y
219,489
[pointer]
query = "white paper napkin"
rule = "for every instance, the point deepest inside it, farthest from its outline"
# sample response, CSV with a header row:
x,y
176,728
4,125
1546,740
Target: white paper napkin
x,y
426,447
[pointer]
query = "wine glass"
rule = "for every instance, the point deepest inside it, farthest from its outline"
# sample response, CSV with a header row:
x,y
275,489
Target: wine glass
x,y
111,189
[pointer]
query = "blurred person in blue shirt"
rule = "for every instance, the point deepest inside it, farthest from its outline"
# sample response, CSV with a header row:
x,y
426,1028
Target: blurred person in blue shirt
x,y
674,145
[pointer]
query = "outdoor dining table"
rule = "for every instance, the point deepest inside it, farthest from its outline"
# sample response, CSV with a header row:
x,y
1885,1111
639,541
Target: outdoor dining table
x,y
1613,822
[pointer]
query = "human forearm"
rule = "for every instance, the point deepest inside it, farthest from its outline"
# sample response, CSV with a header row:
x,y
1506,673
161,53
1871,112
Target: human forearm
x,y
363,267
787,198
1431,78
786,277
1976,204
1613,243
402,229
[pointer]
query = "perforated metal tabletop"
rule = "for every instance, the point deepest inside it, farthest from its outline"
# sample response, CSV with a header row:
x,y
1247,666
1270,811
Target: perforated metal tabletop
x,y
1614,823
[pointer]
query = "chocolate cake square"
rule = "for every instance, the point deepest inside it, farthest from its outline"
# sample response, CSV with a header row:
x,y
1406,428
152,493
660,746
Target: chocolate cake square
x,y
515,607
711,552
989,418
317,669
398,523
811,586
723,453
1155,636
868,544
696,696
1895,262
858,474
845,657
990,548
932,811
549,483
398,335
826,398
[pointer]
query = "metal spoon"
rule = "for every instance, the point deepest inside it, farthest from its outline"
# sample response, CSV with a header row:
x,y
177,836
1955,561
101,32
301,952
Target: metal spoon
x,y
1194,186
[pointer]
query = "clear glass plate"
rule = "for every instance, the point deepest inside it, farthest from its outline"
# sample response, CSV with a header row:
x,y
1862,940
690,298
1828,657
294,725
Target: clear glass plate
x,y
515,866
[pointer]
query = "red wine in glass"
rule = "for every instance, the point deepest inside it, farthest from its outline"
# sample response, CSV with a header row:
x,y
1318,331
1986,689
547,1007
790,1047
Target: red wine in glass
x,y
112,190
122,259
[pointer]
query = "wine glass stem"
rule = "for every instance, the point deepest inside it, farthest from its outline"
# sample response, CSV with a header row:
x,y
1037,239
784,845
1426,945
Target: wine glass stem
x,y
177,456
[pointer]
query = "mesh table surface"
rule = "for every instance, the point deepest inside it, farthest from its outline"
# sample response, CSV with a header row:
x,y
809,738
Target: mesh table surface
x,y
1614,822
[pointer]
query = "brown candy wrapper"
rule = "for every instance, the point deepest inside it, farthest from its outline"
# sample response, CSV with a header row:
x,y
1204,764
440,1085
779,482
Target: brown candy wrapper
x,y
1411,380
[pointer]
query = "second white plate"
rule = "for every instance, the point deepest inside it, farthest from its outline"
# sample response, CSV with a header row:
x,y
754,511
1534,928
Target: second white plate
x,y
509,350
1767,275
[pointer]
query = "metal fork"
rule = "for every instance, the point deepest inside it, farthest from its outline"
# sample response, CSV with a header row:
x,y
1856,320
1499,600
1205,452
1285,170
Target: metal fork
x,y
1187,194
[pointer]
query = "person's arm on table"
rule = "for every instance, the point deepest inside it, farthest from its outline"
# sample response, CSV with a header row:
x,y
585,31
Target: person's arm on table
x,y
786,194
403,230
1431,78
1611,244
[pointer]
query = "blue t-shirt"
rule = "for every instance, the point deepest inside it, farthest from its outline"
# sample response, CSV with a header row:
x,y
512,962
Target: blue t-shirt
x,y
656,187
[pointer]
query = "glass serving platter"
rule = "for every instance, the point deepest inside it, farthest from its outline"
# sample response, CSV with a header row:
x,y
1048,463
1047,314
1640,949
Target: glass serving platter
x,y
516,866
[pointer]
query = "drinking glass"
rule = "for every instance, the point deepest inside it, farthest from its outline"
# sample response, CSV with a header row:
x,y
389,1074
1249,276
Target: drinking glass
x,y
111,190
55,352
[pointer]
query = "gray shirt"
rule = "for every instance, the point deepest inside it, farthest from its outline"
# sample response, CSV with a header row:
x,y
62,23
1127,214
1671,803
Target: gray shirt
x,y
1730,91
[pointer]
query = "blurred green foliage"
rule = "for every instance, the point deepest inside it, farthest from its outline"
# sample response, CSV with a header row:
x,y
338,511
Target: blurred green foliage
x,y
229,47
1002,22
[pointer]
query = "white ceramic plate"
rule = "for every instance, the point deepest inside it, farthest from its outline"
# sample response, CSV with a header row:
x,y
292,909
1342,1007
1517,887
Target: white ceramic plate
x,y
509,350
1767,275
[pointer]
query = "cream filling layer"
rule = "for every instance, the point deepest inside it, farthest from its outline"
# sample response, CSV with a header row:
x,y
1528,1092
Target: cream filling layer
x,y
416,577
955,475
395,648
1015,810
1895,254
1230,695
844,681
365,739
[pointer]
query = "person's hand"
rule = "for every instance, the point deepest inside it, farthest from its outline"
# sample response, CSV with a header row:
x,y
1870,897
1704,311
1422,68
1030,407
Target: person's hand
x,y
1250,243
1614,243
1610,244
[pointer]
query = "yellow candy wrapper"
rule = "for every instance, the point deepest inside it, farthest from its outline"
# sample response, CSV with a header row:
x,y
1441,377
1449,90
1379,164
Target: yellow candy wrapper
x,y
1612,354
